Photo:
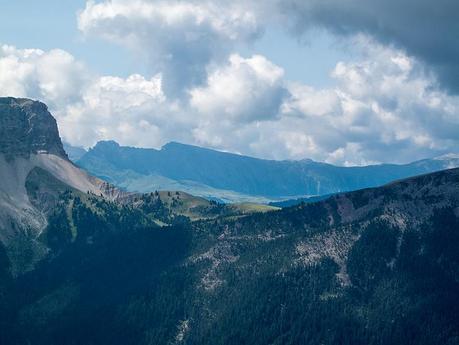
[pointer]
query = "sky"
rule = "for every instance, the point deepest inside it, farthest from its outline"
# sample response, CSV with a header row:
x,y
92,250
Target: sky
x,y
346,82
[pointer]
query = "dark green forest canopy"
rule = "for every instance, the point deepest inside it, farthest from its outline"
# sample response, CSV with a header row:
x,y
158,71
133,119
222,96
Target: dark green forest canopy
x,y
377,266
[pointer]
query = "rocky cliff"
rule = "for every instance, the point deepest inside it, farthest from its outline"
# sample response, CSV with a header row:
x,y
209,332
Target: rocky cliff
x,y
30,142
27,127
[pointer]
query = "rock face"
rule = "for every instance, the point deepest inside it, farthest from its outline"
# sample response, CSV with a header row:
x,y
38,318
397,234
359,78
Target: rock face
x,y
29,140
27,127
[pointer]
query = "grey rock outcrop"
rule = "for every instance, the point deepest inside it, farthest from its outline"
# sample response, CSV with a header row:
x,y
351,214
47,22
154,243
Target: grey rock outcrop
x,y
34,170
27,127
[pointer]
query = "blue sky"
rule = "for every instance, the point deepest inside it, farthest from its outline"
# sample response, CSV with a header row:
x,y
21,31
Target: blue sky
x,y
349,83
50,24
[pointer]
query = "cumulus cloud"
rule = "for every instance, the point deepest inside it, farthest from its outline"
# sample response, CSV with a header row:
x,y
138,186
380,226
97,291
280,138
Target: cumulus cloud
x,y
244,90
179,38
127,110
382,108
423,28
54,75
386,106
89,107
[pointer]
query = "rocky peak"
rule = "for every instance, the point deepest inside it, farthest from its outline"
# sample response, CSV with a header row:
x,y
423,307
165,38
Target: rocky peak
x,y
27,127
107,145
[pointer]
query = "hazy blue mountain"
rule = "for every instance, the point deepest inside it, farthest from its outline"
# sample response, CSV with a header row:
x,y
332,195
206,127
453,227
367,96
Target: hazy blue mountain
x,y
232,177
74,152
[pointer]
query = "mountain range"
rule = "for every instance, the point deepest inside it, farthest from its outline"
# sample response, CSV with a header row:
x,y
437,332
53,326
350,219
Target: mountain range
x,y
83,262
228,177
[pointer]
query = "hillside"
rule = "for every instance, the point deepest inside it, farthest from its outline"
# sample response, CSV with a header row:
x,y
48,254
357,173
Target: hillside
x,y
33,160
230,177
29,140
82,262
374,266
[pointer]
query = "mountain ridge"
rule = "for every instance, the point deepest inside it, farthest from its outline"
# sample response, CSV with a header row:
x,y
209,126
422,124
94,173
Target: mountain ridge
x,y
177,145
232,177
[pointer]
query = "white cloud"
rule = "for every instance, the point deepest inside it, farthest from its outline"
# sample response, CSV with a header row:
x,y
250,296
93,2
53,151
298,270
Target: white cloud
x,y
127,110
382,108
307,101
54,75
244,90
179,38
88,107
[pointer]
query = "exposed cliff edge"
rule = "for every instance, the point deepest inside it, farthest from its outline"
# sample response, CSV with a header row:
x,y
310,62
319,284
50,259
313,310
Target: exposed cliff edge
x,y
27,127
29,140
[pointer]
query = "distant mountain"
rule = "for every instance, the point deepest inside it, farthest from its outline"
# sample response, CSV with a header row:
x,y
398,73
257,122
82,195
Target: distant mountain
x,y
231,177
74,152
